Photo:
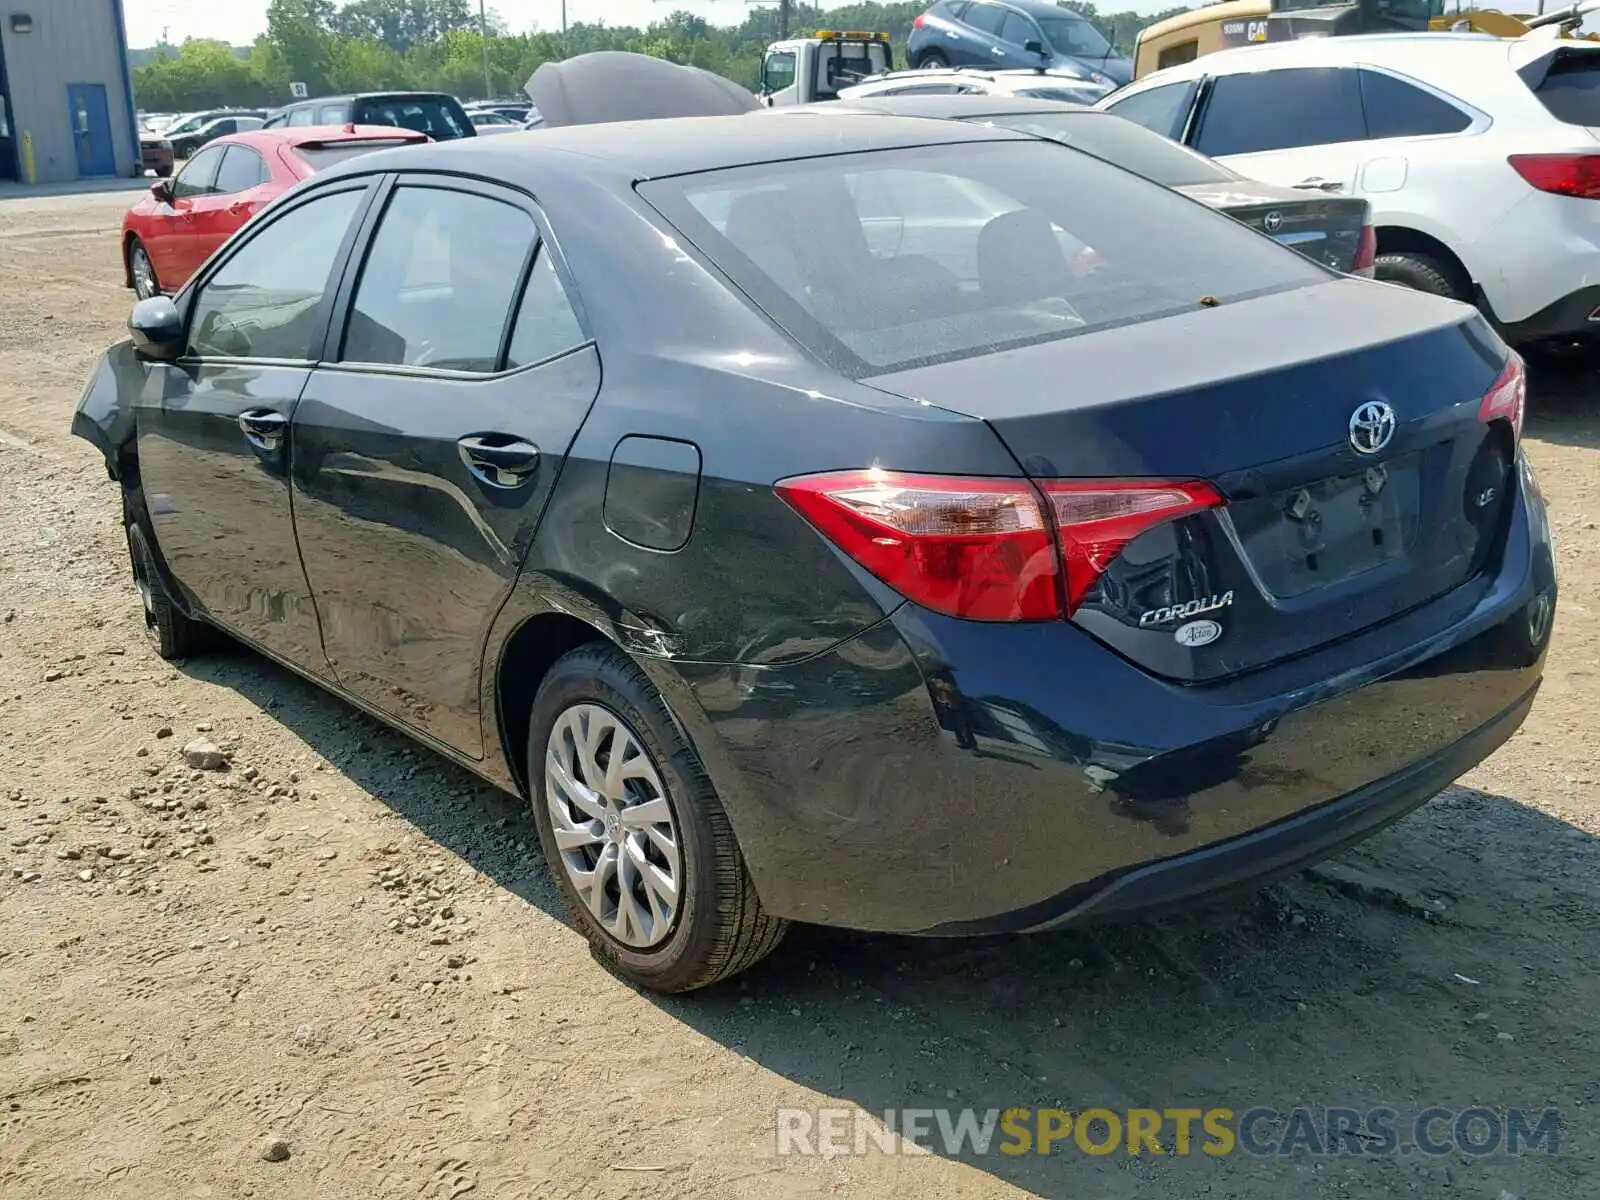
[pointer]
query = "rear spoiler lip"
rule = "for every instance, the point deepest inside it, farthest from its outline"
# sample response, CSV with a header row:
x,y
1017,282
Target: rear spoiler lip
x,y
331,143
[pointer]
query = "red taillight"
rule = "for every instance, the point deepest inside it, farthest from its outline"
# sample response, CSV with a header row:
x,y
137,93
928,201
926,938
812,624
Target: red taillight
x,y
1097,518
1366,252
1508,398
1564,174
985,549
917,24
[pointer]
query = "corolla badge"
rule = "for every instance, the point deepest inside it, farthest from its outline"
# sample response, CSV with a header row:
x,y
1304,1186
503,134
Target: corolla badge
x,y
1272,222
1371,427
1197,633
1190,608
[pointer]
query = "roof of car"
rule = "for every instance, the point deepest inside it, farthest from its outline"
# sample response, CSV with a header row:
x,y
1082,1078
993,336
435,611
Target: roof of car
x,y
965,106
1038,8
636,150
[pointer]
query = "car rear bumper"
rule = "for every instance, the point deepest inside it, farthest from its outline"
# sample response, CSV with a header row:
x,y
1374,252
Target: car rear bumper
x,y
940,776
154,158
1574,314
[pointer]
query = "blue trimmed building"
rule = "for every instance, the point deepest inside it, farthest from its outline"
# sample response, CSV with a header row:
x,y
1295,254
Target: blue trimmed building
x,y
66,94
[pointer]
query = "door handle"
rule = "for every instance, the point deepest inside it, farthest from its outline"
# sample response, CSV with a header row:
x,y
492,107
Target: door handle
x,y
499,460
1318,184
263,428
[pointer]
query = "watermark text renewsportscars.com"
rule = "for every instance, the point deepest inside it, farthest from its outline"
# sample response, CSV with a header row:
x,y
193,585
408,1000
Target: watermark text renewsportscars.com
x,y
1258,1132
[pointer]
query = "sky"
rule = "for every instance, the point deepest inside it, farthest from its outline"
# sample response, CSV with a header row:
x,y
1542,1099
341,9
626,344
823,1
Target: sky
x,y
240,21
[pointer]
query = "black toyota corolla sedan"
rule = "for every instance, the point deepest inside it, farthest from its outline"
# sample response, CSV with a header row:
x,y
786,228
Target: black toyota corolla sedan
x,y
895,524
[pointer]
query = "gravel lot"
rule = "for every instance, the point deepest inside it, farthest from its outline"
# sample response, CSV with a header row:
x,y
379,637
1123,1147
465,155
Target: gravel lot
x,y
347,945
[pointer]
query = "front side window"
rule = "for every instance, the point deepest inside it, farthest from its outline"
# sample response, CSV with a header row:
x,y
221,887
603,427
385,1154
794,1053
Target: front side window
x,y
878,262
199,175
1018,30
1163,110
1074,35
303,116
331,114
266,300
242,169
439,281
1282,110
779,71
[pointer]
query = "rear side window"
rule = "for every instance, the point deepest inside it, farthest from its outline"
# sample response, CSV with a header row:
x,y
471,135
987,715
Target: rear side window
x,y
546,325
331,114
987,17
302,116
1395,108
878,262
1162,110
1280,110
439,281
1570,87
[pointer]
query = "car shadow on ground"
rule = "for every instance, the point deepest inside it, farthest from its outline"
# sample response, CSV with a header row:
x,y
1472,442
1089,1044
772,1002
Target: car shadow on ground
x,y
1564,405
1445,971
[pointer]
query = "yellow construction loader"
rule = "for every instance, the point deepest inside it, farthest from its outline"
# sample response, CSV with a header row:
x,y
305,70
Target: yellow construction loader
x,y
1201,31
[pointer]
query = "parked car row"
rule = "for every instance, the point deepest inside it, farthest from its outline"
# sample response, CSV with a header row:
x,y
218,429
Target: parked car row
x,y
1477,155
839,516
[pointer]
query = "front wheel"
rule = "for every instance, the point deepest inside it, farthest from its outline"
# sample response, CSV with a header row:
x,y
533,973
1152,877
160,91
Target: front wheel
x,y
933,61
171,632
142,271
633,832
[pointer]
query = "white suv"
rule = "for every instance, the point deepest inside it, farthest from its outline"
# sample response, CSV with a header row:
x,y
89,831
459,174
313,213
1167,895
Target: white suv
x,y
1480,156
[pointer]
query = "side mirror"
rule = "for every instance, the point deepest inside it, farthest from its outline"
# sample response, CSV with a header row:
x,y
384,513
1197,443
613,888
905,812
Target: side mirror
x,y
1034,47
157,328
161,189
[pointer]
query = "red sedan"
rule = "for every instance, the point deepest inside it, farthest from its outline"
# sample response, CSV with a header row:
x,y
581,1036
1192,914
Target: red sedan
x,y
167,236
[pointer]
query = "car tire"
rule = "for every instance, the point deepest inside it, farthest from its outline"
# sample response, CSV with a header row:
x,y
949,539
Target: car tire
x,y
1421,273
595,696
141,271
173,634
933,60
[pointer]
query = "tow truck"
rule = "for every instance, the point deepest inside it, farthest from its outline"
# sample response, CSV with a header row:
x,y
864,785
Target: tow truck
x,y
805,70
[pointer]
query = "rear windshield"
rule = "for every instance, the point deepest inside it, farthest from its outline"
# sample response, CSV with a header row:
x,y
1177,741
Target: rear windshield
x,y
1130,146
437,116
1570,88
323,157
883,261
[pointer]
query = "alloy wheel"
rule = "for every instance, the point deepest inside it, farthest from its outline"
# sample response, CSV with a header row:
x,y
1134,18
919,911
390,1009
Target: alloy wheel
x,y
144,274
613,825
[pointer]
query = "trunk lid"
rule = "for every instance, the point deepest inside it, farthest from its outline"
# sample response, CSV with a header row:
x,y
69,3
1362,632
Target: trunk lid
x,y
1317,541
1326,229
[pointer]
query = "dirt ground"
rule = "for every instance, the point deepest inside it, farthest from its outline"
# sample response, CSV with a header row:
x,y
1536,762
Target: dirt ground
x,y
346,943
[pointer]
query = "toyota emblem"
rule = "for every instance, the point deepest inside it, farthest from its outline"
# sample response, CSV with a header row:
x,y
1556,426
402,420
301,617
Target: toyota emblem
x,y
1272,222
1371,427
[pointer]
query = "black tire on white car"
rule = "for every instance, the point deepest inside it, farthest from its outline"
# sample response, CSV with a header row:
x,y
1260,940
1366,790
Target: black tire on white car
x,y
621,801
1421,273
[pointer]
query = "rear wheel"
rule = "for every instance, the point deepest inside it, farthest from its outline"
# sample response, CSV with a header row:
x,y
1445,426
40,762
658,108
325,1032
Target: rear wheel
x,y
142,271
633,832
173,634
933,61
1420,272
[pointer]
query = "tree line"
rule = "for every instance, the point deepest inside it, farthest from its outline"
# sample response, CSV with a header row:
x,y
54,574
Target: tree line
x,y
435,45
